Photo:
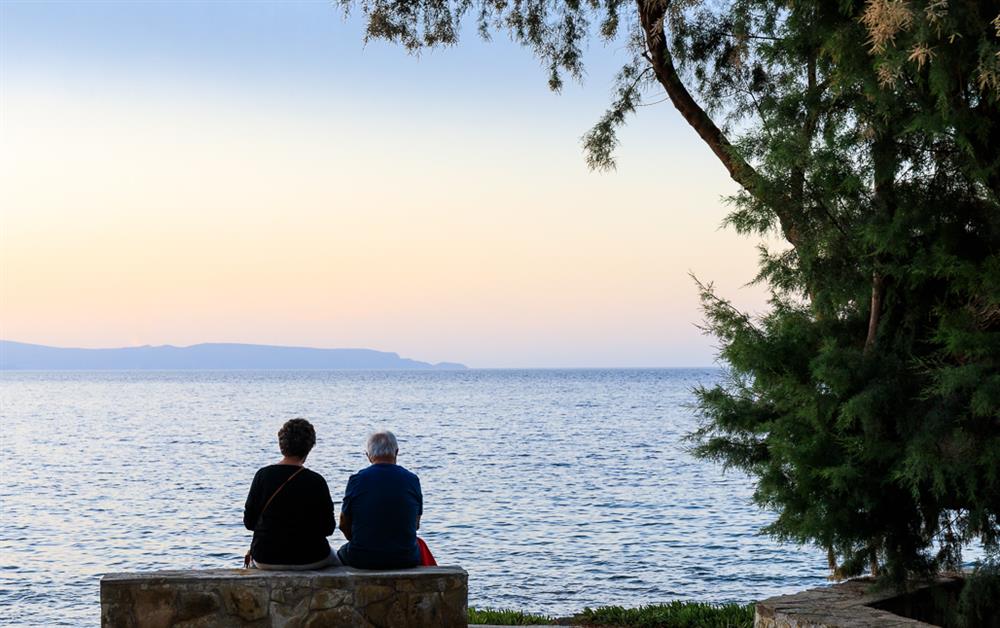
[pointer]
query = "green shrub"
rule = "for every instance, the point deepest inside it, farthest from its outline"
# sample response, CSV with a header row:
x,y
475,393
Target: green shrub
x,y
672,615
979,604
498,617
669,615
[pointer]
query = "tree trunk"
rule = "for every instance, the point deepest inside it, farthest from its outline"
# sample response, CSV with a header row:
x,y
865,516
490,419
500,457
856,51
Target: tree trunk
x,y
885,163
878,292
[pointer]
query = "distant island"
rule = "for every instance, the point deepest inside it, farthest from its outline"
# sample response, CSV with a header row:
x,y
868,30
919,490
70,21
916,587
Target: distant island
x,y
214,356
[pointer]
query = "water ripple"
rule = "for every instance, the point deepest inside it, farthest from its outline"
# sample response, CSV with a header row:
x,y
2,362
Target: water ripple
x,y
555,489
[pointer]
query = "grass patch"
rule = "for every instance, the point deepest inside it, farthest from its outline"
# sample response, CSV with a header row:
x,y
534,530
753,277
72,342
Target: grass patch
x,y
671,615
497,617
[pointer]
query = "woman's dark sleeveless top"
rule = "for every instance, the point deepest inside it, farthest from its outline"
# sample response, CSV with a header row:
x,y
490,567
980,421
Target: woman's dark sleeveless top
x,y
294,528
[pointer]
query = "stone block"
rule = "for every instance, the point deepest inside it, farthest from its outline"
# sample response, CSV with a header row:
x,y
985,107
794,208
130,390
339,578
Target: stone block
x,y
286,615
456,603
153,606
192,605
291,594
849,604
335,618
424,609
366,594
245,601
338,597
323,599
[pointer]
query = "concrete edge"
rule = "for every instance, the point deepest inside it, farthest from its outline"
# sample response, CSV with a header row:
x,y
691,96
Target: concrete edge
x,y
332,573
842,604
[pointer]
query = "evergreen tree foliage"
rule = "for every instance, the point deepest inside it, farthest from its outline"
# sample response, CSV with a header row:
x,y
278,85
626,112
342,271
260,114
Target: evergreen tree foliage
x,y
866,402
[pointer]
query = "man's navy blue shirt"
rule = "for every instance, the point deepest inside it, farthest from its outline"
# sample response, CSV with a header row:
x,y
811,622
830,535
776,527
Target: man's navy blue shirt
x,y
383,502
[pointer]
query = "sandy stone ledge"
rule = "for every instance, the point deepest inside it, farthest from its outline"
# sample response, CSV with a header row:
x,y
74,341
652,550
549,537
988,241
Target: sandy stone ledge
x,y
852,604
407,598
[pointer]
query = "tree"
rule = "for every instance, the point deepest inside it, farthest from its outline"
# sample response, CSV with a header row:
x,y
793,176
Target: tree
x,y
866,402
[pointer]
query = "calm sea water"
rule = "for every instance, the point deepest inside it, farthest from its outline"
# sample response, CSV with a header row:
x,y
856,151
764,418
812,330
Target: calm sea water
x,y
554,489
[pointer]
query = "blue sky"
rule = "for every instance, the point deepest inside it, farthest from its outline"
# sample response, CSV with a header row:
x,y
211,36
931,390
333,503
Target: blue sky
x,y
181,172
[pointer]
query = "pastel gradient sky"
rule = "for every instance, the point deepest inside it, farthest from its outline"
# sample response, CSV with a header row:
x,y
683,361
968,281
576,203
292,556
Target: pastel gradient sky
x,y
184,172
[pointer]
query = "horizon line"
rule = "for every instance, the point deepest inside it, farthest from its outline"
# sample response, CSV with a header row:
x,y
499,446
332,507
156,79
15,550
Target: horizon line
x,y
277,346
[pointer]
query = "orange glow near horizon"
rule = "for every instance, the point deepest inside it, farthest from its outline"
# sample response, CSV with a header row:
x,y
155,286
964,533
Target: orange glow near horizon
x,y
177,214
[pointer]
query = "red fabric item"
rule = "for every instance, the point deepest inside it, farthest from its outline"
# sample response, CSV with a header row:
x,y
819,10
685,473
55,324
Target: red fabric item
x,y
426,558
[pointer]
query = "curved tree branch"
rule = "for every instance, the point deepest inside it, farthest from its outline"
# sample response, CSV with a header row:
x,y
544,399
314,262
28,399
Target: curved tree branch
x,y
651,17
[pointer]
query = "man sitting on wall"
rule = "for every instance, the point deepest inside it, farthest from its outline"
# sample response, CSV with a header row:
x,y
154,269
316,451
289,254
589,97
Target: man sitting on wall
x,y
381,511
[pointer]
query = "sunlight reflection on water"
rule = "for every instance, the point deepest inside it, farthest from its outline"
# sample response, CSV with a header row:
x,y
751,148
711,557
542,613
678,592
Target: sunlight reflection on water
x,y
555,489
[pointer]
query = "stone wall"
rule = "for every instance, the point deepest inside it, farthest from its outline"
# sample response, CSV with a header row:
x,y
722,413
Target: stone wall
x,y
854,604
408,598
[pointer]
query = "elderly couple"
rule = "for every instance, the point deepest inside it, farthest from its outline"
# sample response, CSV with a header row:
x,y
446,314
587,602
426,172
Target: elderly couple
x,y
291,514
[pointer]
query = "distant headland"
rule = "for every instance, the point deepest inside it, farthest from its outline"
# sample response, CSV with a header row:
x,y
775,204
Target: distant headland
x,y
211,356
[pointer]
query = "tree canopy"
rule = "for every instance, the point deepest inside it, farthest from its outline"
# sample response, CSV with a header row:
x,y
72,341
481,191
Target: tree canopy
x,y
866,401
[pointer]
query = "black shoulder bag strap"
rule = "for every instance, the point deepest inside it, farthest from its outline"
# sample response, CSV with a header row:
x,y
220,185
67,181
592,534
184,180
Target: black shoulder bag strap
x,y
248,558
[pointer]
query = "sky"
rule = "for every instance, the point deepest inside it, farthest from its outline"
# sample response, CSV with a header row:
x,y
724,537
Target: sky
x,y
183,172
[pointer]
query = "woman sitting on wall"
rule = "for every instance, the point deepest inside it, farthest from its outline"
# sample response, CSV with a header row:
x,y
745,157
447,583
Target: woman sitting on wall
x,y
289,508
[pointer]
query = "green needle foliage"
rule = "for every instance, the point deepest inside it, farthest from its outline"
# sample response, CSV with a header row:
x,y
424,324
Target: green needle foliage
x,y
977,604
866,402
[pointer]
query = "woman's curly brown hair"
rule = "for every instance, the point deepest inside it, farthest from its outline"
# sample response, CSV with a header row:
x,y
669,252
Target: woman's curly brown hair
x,y
296,438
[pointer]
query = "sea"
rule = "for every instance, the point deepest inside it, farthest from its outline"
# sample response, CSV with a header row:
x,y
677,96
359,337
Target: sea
x,y
555,489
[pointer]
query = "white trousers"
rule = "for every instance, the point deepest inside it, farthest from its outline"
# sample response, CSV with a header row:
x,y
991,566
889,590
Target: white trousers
x,y
329,561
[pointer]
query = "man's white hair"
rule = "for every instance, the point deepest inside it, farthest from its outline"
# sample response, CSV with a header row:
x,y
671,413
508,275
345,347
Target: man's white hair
x,y
382,444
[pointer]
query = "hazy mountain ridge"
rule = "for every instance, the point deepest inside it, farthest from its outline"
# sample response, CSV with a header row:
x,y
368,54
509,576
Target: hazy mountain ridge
x,y
25,356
